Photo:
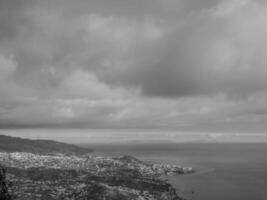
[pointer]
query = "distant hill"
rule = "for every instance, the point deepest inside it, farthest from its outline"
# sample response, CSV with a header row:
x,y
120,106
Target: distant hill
x,y
15,144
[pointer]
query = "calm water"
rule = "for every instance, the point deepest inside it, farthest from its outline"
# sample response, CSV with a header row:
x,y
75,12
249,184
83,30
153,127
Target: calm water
x,y
224,171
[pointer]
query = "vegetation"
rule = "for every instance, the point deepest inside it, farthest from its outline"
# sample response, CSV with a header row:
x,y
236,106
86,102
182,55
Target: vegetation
x,y
5,185
53,177
121,184
13,144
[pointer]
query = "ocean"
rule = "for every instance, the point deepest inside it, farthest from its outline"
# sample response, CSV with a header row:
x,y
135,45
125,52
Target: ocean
x,y
224,171
227,166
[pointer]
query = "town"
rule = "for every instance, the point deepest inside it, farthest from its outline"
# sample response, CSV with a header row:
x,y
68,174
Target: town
x,y
43,177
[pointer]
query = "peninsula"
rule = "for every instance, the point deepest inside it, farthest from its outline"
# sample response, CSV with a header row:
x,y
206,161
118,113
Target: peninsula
x,y
36,176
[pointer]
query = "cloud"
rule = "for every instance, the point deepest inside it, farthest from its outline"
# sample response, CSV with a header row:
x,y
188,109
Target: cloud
x,y
218,50
181,64
7,66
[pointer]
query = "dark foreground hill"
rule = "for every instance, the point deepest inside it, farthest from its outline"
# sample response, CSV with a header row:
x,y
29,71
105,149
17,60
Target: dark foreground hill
x,y
48,177
14,144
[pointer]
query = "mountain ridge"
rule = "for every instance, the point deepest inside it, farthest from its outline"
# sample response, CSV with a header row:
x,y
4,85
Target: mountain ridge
x,y
17,144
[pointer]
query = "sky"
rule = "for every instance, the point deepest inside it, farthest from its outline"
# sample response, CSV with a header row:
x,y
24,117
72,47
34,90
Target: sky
x,y
187,65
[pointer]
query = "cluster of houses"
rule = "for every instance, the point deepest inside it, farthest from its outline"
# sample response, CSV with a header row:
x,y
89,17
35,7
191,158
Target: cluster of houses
x,y
38,176
88,163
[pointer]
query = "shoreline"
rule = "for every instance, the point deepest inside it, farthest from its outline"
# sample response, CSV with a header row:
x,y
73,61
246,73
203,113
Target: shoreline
x,y
123,176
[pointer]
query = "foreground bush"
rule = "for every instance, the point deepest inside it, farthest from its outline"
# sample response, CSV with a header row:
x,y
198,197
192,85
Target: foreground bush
x,y
5,185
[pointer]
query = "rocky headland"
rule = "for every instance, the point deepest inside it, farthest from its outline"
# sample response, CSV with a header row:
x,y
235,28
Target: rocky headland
x,y
58,176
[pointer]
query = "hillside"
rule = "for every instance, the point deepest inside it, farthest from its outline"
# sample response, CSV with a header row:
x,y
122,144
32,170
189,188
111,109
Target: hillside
x,y
43,177
15,144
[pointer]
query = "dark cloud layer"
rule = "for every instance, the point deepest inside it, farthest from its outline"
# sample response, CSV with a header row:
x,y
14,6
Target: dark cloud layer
x,y
209,53
180,64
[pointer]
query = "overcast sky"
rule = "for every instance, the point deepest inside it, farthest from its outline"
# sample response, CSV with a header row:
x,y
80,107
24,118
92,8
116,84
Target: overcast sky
x,y
198,65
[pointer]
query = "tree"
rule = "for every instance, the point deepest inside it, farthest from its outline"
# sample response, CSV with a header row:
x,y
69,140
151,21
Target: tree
x,y
5,185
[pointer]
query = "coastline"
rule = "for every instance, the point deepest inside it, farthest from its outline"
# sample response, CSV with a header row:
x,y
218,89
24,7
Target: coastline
x,y
239,177
126,177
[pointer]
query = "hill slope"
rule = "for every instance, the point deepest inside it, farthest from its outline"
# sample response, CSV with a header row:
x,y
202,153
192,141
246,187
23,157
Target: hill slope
x,y
14,144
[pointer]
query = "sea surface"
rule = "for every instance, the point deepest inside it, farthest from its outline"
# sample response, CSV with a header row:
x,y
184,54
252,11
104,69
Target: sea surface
x,y
224,171
227,166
